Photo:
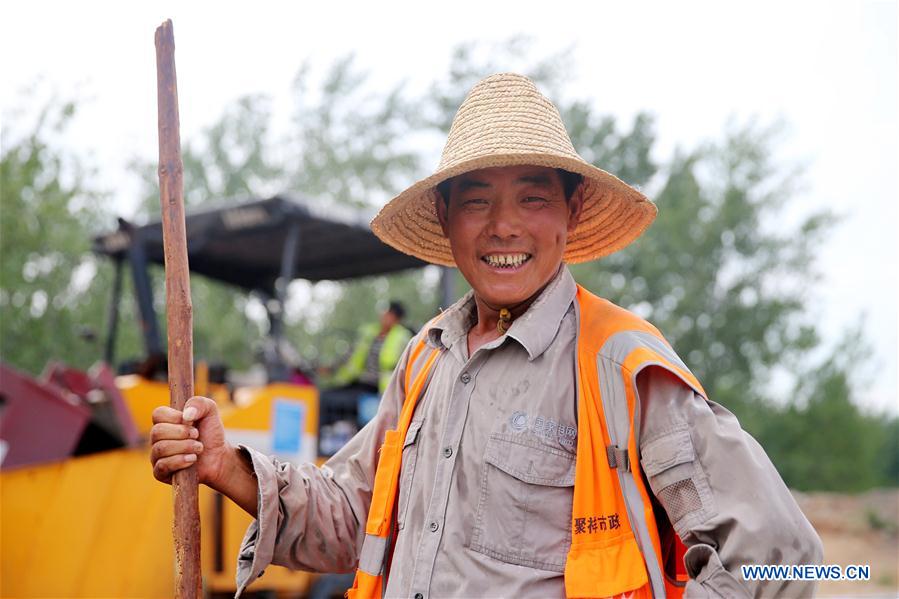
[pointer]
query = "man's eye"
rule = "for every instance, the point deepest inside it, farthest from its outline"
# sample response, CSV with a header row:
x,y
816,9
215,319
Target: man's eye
x,y
474,202
535,200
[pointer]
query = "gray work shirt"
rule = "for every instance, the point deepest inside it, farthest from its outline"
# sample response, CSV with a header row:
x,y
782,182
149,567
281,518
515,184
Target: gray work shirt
x,y
485,492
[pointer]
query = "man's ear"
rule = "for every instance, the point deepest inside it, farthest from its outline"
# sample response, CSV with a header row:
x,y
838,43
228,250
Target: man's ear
x,y
442,209
575,207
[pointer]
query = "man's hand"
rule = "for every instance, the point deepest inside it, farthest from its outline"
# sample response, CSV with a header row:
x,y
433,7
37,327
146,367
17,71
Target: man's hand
x,y
195,435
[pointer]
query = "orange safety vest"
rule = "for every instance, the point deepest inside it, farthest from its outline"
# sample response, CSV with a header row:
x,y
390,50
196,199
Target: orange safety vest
x,y
618,548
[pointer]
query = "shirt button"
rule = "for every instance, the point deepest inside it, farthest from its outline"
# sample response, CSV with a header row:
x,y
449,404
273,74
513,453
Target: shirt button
x,y
466,378
447,452
433,526
419,596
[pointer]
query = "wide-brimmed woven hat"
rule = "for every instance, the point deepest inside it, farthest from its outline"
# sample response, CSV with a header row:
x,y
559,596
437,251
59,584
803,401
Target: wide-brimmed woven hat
x,y
506,121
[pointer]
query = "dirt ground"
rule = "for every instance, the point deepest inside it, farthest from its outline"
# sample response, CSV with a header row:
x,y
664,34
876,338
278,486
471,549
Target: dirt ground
x,y
857,530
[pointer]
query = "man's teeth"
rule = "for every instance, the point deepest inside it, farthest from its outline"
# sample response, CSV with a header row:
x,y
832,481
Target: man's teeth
x,y
506,260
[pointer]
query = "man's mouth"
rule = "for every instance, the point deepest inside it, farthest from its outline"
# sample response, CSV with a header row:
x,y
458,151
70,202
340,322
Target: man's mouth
x,y
508,261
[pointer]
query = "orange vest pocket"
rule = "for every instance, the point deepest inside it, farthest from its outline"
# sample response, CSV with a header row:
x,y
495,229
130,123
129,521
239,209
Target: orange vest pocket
x,y
609,568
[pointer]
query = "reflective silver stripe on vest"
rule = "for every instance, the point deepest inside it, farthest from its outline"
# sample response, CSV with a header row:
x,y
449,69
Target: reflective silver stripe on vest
x,y
609,366
614,405
371,559
611,385
619,346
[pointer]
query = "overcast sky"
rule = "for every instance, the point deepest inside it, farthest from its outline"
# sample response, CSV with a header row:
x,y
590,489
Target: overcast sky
x,y
827,70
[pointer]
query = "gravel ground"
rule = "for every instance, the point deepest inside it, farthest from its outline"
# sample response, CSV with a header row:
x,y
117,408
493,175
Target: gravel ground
x,y
858,529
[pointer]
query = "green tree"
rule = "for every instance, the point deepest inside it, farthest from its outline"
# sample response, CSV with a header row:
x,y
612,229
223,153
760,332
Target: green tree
x,y
343,149
346,144
48,208
230,161
712,271
822,440
472,61
349,148
728,284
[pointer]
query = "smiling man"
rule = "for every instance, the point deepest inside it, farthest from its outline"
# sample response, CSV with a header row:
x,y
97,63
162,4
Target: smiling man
x,y
535,440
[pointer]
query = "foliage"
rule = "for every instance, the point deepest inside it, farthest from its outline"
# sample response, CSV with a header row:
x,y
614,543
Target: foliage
x,y
729,289
342,149
727,282
710,272
821,440
48,208
230,161
347,148
472,62
346,143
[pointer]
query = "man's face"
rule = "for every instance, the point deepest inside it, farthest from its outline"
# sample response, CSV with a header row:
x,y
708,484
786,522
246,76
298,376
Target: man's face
x,y
507,227
388,319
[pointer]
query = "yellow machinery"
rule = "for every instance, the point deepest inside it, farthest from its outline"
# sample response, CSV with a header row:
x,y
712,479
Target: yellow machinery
x,y
100,525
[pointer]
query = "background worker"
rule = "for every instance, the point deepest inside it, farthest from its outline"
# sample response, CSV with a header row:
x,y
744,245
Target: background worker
x,y
534,440
355,392
377,350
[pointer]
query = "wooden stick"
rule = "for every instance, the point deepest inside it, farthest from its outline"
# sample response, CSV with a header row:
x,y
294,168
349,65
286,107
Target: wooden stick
x,y
186,527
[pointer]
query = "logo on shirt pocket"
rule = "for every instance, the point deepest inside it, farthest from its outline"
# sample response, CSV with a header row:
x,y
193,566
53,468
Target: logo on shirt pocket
x,y
545,428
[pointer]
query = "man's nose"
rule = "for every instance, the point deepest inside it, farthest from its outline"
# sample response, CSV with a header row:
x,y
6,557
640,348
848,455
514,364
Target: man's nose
x,y
505,220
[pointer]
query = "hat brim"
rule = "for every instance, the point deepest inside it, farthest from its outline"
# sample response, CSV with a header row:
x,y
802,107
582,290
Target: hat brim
x,y
614,213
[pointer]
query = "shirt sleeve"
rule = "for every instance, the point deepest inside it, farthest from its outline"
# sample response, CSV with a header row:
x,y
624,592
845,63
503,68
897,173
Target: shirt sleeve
x,y
721,493
313,518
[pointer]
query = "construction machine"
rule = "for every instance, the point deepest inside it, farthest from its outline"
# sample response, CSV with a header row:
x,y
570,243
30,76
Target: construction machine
x,y
82,515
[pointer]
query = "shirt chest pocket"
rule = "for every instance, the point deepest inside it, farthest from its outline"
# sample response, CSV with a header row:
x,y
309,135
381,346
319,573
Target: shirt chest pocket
x,y
524,508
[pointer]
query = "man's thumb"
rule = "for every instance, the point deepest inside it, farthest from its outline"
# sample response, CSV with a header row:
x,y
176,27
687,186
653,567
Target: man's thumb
x,y
195,408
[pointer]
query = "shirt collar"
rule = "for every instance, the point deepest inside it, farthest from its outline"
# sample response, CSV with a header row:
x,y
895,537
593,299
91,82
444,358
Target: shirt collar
x,y
534,330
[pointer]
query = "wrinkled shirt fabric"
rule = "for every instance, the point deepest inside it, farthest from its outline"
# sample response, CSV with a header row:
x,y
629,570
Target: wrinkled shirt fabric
x,y
469,527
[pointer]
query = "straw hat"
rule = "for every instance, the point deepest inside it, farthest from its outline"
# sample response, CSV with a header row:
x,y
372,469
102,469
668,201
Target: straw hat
x,y
506,121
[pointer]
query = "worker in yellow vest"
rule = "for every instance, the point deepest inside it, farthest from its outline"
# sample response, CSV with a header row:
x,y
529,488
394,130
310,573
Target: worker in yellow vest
x,y
377,350
534,440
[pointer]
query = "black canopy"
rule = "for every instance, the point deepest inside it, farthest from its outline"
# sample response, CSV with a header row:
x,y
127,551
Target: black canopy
x,y
243,244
